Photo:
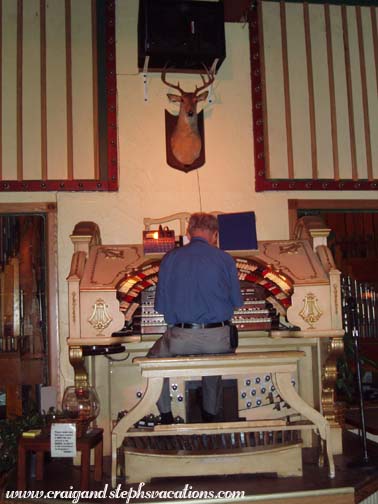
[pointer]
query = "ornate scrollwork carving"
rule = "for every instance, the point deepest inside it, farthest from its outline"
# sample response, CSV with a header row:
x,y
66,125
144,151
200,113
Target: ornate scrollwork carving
x,y
112,253
291,248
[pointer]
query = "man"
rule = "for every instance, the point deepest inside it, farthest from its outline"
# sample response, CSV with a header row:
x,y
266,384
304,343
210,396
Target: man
x,y
197,292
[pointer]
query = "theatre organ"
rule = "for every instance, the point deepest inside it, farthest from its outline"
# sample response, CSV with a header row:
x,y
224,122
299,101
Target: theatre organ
x,y
292,303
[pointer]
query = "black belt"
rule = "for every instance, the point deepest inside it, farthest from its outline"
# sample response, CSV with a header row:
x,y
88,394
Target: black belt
x,y
211,325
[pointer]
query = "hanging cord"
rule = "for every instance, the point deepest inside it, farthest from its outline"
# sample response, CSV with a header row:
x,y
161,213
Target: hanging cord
x,y
199,191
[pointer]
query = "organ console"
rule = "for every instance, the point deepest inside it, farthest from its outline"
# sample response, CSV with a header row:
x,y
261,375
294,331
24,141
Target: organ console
x,y
292,303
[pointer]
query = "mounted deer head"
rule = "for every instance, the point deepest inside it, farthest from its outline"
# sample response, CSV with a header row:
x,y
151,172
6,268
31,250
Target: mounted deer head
x,y
185,140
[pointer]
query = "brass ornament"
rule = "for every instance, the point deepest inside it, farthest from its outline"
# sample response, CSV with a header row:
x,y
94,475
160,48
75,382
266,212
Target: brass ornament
x,y
100,318
310,312
77,362
329,377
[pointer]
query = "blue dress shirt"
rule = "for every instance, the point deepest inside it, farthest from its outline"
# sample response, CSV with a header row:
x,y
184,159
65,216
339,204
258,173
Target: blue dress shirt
x,y
197,283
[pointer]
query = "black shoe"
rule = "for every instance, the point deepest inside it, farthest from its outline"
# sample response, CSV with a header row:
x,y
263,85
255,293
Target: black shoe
x,y
166,418
208,417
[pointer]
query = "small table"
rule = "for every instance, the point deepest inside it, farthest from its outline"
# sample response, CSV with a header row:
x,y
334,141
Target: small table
x,y
41,444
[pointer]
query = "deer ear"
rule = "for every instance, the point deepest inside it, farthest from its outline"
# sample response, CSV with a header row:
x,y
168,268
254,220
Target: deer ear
x,y
173,97
202,96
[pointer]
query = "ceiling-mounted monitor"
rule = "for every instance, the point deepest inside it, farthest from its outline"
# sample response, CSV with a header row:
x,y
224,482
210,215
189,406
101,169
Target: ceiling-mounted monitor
x,y
180,34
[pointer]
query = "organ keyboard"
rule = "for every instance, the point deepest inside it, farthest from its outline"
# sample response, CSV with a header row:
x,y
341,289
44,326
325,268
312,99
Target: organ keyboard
x,y
256,314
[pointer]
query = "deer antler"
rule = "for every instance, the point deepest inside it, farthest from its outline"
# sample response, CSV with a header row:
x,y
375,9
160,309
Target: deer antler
x,y
206,83
169,84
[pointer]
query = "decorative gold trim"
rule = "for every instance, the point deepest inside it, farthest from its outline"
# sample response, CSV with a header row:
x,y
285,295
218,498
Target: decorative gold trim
x,y
329,377
336,298
77,362
310,312
100,318
74,307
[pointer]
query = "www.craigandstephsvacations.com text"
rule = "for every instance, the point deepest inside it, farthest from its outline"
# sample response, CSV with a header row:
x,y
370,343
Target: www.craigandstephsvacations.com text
x,y
127,495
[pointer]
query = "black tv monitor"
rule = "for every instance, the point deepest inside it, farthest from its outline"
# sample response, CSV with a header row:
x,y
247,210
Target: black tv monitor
x,y
183,35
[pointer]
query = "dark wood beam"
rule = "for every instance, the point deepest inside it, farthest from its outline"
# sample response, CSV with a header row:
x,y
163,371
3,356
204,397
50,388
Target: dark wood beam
x,y
235,10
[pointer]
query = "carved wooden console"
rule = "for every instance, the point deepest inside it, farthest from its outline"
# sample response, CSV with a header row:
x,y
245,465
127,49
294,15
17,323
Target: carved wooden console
x,y
106,287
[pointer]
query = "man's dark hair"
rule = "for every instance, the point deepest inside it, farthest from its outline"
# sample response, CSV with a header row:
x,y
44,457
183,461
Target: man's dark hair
x,y
201,220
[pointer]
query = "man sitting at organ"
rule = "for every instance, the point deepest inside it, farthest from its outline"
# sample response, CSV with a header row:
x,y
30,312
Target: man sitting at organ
x,y
197,292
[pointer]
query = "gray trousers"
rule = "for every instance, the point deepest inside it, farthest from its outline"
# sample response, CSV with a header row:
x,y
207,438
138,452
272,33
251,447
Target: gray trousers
x,y
177,341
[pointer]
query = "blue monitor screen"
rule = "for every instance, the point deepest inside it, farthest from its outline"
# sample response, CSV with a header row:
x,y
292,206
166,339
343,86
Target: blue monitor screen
x,y
237,231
